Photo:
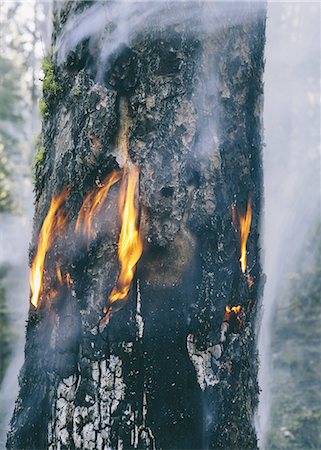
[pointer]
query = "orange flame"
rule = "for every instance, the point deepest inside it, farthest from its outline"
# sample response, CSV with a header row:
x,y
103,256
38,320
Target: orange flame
x,y
130,246
235,309
93,204
245,224
69,280
234,312
67,277
59,275
54,222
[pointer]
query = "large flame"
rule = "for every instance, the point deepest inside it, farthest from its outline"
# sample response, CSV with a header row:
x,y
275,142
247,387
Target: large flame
x,y
53,224
93,204
245,224
130,246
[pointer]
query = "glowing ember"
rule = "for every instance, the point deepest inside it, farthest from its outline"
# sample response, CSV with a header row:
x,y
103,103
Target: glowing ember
x,y
53,224
245,224
130,246
93,204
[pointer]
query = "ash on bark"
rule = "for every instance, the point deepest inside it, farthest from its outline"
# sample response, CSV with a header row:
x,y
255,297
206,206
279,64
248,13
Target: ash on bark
x,y
167,371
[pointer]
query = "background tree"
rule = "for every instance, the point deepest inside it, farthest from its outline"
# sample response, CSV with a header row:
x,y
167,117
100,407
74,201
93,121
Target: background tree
x,y
22,43
296,355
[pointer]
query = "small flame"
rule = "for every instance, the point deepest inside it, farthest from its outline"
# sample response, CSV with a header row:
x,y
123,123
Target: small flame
x,y
54,223
53,294
67,277
69,280
93,204
130,246
245,224
59,275
235,309
232,313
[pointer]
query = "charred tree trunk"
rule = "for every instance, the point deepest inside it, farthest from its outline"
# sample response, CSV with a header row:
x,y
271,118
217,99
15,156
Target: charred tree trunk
x,y
176,366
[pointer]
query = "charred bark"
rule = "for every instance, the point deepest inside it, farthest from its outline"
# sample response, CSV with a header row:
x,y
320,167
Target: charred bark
x,y
173,368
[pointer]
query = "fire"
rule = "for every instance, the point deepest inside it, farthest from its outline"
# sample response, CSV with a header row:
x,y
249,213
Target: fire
x,y
67,277
233,315
93,204
53,224
59,275
130,246
69,280
245,224
235,309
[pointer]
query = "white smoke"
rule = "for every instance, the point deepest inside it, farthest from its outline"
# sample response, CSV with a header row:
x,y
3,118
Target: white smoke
x,y
117,23
291,160
15,232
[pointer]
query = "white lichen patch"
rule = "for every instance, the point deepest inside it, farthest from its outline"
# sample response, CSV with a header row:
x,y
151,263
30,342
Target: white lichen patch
x,y
203,361
87,426
139,317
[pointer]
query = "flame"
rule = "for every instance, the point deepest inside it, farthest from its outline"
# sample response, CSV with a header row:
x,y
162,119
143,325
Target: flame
x,y
67,277
52,294
93,204
234,312
130,246
245,224
69,280
235,309
54,222
59,275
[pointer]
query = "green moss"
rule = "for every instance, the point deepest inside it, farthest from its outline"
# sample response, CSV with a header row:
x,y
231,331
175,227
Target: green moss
x,y
49,84
39,155
43,107
38,165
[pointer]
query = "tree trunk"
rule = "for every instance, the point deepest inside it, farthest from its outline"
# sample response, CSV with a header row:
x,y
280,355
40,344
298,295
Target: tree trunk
x,y
175,366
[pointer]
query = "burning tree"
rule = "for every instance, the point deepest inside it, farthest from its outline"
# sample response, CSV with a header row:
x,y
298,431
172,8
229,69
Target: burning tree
x,y
145,267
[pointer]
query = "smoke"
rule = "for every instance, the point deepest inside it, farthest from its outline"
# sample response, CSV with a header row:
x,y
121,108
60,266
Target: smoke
x,y
116,24
15,232
291,160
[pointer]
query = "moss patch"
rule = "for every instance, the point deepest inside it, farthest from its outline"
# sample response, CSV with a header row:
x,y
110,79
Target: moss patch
x,y
49,84
39,155
43,107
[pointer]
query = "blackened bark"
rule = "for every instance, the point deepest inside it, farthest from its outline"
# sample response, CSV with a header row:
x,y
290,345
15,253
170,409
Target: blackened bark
x,y
167,371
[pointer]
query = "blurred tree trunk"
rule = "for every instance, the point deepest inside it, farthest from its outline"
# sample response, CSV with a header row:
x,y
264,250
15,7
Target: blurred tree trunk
x,y
167,371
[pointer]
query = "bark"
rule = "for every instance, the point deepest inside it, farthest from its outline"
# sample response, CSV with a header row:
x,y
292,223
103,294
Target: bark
x,y
167,371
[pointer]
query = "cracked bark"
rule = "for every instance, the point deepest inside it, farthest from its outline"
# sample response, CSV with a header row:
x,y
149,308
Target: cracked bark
x,y
167,371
